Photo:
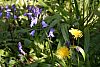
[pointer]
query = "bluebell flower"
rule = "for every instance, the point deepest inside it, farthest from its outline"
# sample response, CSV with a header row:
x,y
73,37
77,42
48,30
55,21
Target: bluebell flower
x,y
8,15
14,7
15,17
25,14
7,6
32,33
44,24
33,21
0,14
51,33
8,12
29,15
20,48
36,11
29,7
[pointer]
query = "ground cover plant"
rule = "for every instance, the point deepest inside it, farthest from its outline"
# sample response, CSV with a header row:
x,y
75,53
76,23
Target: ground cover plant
x,y
49,33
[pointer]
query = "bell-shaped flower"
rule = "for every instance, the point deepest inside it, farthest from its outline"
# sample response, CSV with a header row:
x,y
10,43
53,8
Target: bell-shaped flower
x,y
32,33
33,21
36,11
25,14
0,14
44,24
15,17
29,7
8,12
51,33
7,6
29,15
14,7
8,15
20,48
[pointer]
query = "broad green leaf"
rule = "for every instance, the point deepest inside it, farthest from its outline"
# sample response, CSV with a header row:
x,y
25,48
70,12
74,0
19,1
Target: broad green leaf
x,y
79,49
57,20
86,39
64,31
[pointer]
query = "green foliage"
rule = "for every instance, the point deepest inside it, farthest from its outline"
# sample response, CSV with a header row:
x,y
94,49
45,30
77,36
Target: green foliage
x,y
40,50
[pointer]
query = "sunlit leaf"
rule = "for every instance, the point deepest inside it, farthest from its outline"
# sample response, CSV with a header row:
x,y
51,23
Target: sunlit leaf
x,y
1,52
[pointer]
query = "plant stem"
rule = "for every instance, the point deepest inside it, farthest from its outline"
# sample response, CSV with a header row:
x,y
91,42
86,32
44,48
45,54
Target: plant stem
x,y
51,52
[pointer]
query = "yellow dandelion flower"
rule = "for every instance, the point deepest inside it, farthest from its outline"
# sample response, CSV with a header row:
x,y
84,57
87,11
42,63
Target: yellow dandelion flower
x,y
63,52
76,33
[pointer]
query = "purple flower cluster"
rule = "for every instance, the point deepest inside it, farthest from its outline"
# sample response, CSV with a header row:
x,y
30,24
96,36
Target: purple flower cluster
x,y
14,7
8,10
33,14
14,10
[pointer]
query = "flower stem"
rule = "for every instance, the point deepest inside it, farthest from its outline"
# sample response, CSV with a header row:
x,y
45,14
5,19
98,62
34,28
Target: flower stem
x,y
52,60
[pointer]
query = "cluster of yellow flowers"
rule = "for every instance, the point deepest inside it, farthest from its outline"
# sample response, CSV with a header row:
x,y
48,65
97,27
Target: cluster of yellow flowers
x,y
64,52
76,33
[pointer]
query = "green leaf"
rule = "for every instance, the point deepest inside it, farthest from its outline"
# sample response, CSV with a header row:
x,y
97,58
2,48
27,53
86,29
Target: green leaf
x,y
76,9
64,31
79,49
42,3
33,65
86,39
20,2
1,52
12,62
44,65
54,23
27,42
